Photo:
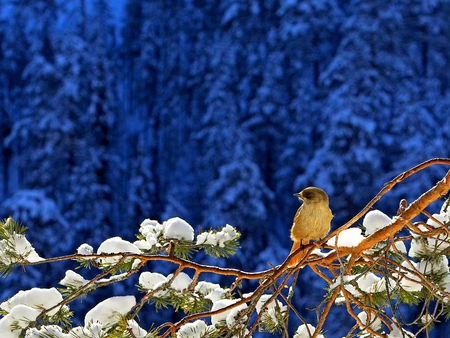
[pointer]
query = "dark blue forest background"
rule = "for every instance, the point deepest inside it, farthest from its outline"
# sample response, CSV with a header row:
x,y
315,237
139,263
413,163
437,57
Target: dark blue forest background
x,y
215,111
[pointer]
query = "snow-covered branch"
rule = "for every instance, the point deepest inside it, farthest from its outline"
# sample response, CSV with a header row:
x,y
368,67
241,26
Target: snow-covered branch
x,y
370,270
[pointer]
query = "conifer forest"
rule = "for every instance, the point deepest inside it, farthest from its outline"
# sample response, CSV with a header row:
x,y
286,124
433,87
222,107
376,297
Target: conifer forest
x,y
217,112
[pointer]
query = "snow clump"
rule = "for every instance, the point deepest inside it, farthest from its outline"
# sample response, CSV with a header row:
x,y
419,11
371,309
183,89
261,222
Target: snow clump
x,y
85,249
116,245
421,245
16,248
271,308
196,329
347,238
306,331
25,306
374,221
109,311
226,234
73,280
179,229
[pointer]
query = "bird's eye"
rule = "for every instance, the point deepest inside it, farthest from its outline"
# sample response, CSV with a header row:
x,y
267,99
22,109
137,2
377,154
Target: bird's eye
x,y
308,195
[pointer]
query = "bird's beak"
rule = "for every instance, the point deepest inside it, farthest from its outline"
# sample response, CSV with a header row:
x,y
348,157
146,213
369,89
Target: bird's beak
x,y
299,195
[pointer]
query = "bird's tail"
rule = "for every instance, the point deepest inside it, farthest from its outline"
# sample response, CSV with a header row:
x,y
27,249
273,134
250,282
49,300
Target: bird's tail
x,y
294,260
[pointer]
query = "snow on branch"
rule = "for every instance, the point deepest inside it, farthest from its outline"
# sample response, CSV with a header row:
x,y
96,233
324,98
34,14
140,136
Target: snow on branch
x,y
370,270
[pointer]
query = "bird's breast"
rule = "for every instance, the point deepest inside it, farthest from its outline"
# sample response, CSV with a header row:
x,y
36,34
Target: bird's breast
x,y
311,222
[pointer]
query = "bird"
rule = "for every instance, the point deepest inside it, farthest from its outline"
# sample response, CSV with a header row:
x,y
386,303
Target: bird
x,y
311,221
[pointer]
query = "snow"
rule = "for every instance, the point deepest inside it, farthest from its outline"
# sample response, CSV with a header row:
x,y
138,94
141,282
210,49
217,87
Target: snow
x,y
73,280
145,244
205,288
25,306
197,329
148,280
227,233
429,244
23,315
347,238
374,221
445,210
25,249
109,311
374,322
442,218
179,229
152,230
417,248
400,246
21,246
366,283
270,308
118,277
306,331
235,319
206,238
116,245
36,298
149,225
181,282
52,331
399,333
90,330
216,295
85,249
381,285
411,282
437,266
151,281
135,329
220,304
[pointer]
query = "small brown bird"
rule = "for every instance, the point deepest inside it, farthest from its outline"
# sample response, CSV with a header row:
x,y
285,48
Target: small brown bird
x,y
312,220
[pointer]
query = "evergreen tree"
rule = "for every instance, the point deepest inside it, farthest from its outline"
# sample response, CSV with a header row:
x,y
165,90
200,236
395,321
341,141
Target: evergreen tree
x,y
91,174
233,179
306,37
172,46
427,34
357,111
41,130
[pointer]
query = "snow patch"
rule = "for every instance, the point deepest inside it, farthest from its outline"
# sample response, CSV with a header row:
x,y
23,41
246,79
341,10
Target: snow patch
x,y
196,329
109,311
347,238
116,245
179,229
374,221
73,280
306,331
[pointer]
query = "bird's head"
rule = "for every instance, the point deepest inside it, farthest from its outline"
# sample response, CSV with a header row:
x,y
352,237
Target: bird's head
x,y
312,195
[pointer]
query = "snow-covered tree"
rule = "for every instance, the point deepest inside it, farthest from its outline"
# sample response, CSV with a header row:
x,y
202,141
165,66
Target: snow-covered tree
x,y
356,114
427,37
40,128
50,234
306,39
235,189
90,198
